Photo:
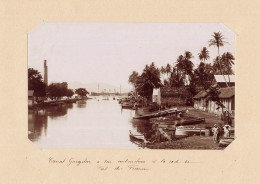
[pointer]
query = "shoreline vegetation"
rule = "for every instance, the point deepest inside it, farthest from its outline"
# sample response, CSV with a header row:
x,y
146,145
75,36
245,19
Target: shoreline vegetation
x,y
181,77
185,80
192,141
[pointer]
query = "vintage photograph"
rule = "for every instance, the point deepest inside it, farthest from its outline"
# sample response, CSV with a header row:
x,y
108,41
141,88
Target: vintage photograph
x,y
131,86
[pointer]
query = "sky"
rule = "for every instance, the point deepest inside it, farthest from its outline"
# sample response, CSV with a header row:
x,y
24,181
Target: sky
x,y
109,52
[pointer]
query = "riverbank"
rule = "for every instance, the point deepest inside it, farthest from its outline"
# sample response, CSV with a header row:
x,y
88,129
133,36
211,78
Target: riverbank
x,y
193,141
55,103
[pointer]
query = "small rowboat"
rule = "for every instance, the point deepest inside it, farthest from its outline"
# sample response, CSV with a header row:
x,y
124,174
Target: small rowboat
x,y
180,130
225,141
136,137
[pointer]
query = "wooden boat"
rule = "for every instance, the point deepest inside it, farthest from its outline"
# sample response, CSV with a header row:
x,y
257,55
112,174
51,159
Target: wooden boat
x,y
164,134
127,106
137,137
159,114
191,121
191,131
168,126
225,141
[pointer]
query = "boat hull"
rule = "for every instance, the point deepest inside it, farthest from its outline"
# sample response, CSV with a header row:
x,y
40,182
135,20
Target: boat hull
x,y
159,114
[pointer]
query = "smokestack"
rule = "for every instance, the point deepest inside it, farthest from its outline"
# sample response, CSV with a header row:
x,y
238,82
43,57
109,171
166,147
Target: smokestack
x,y
45,73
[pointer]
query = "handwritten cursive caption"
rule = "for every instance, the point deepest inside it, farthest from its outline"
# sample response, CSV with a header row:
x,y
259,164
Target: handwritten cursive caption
x,y
118,165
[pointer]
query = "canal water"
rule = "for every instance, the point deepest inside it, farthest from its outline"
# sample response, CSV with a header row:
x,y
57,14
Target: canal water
x,y
93,124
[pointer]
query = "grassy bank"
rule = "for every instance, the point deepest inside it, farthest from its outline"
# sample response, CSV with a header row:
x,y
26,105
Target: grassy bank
x,y
192,142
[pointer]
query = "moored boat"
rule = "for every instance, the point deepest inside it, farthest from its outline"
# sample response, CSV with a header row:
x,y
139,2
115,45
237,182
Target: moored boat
x,y
159,114
137,137
181,130
225,141
127,106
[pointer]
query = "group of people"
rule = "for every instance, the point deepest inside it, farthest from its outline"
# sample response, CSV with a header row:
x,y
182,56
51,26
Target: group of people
x,y
219,131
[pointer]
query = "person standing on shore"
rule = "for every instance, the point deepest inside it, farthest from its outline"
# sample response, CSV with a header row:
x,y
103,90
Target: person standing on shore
x,y
226,130
215,131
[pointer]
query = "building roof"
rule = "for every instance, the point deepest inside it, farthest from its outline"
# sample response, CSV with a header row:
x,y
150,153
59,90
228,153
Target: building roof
x,y
220,78
201,94
30,92
224,93
227,92
173,91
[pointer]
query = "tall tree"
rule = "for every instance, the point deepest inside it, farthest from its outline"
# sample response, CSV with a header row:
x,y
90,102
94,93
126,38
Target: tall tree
x,y
81,92
216,63
203,75
149,79
180,66
163,71
176,80
57,90
227,60
188,65
36,83
204,54
218,41
133,78
168,69
69,93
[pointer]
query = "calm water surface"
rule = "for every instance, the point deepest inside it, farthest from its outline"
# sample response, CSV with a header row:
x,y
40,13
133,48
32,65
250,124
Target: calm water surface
x,y
86,124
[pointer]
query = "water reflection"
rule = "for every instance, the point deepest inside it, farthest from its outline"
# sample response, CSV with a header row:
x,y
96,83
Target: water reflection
x,y
87,124
37,124
57,111
81,104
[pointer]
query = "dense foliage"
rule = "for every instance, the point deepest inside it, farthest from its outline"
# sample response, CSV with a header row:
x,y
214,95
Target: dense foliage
x,y
81,92
35,83
57,90
183,72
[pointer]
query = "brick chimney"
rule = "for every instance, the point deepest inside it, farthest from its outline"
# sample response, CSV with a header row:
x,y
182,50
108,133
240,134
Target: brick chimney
x,y
45,73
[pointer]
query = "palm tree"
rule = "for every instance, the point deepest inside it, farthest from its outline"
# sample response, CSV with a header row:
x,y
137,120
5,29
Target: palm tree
x,y
133,78
218,41
163,71
227,60
188,65
180,66
204,54
168,69
216,64
149,79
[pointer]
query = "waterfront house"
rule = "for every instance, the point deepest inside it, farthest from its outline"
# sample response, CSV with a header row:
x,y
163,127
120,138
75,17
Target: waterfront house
x,y
30,98
200,100
221,80
227,98
173,96
156,98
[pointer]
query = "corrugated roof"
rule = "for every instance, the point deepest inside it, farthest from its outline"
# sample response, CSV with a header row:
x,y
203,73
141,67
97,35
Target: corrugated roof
x,y
224,93
30,92
227,92
220,78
